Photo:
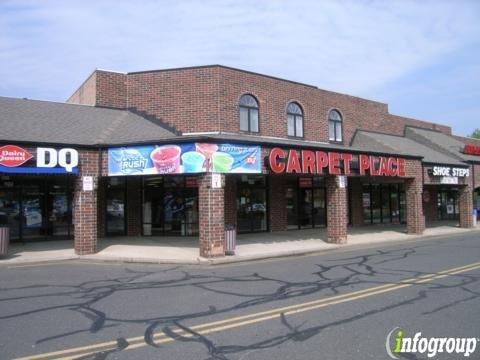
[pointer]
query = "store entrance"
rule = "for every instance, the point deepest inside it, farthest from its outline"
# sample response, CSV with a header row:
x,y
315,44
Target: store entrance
x,y
447,204
383,203
251,203
170,206
306,203
37,209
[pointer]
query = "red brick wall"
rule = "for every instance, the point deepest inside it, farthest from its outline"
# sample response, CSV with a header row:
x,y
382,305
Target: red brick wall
x,y
413,194
206,99
85,205
337,211
86,94
278,203
211,218
185,99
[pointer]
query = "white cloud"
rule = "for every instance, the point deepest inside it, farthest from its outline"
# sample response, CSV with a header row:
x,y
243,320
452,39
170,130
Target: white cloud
x,y
49,47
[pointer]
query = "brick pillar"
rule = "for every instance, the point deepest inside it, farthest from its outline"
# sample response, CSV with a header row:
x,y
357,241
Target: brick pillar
x,y
356,189
134,206
337,211
278,203
415,217
465,206
211,203
85,205
230,199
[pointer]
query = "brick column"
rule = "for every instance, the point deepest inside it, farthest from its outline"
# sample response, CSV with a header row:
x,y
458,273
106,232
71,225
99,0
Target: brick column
x,y
211,203
337,211
415,217
356,189
85,205
278,203
465,206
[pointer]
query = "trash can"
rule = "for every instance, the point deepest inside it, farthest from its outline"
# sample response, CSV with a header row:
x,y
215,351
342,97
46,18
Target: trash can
x,y
4,235
230,239
474,214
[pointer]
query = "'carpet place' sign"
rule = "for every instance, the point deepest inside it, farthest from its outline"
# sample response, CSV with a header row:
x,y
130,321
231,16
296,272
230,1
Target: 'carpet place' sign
x,y
333,163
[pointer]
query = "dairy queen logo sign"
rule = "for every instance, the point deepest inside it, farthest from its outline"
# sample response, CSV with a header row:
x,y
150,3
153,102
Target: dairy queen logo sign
x,y
13,156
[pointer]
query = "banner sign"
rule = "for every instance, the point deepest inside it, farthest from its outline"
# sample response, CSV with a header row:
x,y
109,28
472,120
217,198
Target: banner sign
x,y
334,163
471,150
449,171
187,158
17,160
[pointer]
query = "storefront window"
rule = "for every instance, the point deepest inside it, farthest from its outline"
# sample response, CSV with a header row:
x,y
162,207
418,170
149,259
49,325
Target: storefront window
x,y
306,203
170,206
251,203
447,204
37,208
116,206
383,203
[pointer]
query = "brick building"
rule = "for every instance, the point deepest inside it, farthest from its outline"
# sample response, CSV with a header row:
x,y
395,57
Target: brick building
x,y
182,152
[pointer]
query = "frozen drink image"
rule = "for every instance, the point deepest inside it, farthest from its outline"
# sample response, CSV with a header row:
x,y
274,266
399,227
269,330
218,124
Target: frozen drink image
x,y
193,162
207,150
222,162
166,159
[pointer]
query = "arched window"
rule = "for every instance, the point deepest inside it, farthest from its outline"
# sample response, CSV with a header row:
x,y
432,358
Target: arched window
x,y
294,120
335,126
248,113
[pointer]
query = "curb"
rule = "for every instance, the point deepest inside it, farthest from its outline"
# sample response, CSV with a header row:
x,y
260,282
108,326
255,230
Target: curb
x,y
235,258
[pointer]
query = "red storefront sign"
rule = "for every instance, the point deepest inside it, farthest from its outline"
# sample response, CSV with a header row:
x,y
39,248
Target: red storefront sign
x,y
471,150
333,163
13,156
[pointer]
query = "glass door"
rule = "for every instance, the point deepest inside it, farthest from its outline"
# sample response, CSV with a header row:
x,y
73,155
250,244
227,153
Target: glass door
x,y
251,204
319,207
10,211
174,210
33,222
59,210
116,199
292,204
306,208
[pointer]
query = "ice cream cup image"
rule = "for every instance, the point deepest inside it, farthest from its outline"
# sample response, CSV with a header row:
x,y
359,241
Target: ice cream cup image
x,y
166,159
206,149
222,162
193,162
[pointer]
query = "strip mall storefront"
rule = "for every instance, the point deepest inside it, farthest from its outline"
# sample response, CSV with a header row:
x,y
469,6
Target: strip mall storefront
x,y
36,192
196,188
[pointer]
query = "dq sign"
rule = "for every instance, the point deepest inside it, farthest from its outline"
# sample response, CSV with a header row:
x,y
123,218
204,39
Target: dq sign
x,y
334,163
14,159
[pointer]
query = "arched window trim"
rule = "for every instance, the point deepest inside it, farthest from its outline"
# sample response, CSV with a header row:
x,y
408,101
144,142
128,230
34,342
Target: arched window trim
x,y
335,126
251,112
295,116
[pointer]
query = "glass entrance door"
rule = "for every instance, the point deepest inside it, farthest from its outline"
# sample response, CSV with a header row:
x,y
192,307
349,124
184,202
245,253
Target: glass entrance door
x,y
10,211
447,205
319,207
251,204
33,214
306,203
305,208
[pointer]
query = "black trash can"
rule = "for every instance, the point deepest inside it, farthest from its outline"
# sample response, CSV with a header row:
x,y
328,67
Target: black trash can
x,y
230,239
4,235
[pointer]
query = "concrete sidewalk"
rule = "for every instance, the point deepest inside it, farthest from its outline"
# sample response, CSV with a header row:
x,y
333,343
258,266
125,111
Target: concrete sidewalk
x,y
176,250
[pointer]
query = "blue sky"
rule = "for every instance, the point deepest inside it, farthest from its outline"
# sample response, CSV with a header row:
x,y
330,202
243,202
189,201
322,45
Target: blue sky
x,y
420,57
